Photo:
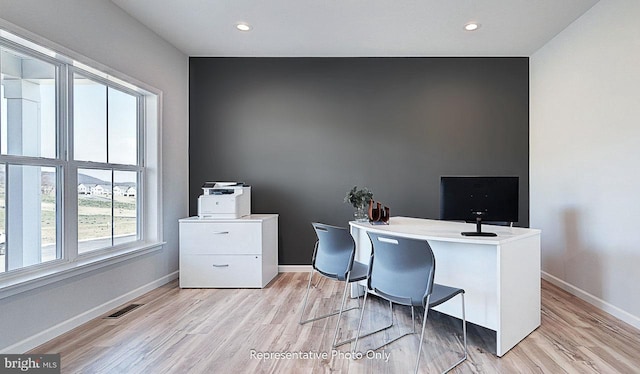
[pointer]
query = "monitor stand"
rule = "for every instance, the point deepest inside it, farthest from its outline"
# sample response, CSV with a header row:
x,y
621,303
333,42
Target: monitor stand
x,y
479,231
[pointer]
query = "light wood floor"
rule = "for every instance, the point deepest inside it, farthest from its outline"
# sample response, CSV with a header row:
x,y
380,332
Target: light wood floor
x,y
216,331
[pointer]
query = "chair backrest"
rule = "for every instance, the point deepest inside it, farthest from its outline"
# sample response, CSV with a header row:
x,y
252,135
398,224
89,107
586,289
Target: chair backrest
x,y
334,251
401,268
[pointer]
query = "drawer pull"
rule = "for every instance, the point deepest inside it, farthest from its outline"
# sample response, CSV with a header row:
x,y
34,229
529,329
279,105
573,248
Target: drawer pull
x,y
221,232
220,266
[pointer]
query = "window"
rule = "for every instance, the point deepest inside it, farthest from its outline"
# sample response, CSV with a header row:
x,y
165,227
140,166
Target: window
x,y
78,146
105,136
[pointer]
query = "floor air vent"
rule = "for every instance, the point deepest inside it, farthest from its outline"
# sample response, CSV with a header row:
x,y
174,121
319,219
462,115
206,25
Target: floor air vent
x,y
123,311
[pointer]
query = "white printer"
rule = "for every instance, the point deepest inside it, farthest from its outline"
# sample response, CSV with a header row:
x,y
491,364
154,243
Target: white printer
x,y
224,200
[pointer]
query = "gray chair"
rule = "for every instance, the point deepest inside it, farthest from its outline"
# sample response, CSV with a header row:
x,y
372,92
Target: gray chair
x,y
401,270
333,257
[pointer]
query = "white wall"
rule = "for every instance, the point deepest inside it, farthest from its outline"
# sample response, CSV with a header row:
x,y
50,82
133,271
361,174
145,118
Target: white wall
x,y
104,33
585,157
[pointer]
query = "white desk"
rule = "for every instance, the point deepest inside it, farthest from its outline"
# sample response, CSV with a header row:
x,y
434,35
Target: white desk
x,y
500,275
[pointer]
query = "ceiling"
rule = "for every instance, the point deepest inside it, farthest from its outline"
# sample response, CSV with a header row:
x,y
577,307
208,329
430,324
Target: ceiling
x,y
356,28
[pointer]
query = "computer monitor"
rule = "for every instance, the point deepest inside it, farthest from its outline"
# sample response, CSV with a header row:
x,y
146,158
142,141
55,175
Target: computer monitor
x,y
478,199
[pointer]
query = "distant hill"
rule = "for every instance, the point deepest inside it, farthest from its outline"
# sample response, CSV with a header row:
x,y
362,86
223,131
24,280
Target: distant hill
x,y
87,179
48,178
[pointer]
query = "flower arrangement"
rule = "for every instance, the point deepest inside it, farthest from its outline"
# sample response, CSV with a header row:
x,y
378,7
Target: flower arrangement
x,y
358,198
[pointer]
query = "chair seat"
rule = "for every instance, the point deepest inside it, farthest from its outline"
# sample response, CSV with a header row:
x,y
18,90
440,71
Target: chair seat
x,y
359,272
441,293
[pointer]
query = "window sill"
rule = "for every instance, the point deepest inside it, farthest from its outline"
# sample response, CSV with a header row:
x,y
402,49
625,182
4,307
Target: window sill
x,y
59,271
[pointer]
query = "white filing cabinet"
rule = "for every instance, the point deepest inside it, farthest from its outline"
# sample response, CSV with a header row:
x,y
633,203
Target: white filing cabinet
x,y
228,253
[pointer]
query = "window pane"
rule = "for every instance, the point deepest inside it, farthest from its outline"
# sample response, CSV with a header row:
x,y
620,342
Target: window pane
x,y
123,120
94,209
31,233
89,120
28,121
125,212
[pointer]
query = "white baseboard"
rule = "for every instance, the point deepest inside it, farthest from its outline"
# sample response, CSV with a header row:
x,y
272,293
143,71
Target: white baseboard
x,y
68,325
294,268
593,300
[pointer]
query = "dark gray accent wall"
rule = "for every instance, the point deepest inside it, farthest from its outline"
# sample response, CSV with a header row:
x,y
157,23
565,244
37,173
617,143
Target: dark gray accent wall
x,y
303,131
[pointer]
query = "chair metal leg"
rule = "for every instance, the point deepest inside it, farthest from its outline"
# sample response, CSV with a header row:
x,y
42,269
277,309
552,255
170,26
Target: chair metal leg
x,y
464,334
390,325
391,317
364,303
464,328
424,324
413,319
306,295
304,305
344,298
464,337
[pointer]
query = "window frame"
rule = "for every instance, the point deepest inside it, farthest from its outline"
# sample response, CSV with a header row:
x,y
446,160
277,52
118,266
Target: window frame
x,y
148,168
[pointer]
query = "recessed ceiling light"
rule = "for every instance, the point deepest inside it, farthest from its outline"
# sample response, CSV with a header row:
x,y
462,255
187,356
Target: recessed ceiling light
x,y
243,27
471,26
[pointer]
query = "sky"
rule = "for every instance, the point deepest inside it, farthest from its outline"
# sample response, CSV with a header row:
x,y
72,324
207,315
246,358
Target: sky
x,y
92,119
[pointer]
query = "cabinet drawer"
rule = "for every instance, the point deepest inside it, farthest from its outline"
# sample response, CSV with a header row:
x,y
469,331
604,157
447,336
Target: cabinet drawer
x,y
220,271
220,238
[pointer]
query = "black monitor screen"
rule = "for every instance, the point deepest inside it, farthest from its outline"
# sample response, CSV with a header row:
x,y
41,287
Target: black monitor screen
x,y
485,198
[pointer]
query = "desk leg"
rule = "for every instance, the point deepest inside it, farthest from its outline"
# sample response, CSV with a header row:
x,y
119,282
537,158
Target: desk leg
x,y
519,292
357,290
363,252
